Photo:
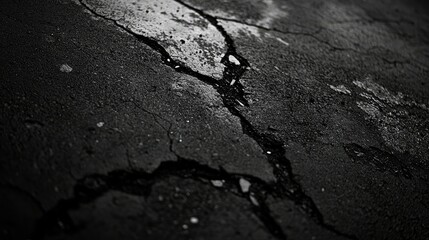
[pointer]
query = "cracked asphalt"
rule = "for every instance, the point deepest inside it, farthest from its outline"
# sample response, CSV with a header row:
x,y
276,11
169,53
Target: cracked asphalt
x,y
198,119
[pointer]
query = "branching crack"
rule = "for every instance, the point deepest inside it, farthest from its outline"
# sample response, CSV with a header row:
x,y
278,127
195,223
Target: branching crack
x,y
332,47
308,34
140,182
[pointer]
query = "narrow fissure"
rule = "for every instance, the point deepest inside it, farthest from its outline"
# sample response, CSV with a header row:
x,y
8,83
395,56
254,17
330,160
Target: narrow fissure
x,y
139,183
232,94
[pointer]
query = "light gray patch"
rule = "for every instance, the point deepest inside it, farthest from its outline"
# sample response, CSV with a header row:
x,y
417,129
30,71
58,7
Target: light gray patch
x,y
390,113
271,13
341,89
382,94
391,133
265,12
239,29
186,36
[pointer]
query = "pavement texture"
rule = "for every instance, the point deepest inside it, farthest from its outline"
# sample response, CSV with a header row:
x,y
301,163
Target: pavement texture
x,y
192,119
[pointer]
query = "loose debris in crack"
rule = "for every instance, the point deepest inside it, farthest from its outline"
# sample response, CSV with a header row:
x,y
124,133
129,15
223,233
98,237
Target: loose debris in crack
x,y
232,93
140,183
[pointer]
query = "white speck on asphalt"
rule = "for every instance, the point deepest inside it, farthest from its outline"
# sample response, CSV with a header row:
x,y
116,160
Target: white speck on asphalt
x,y
268,152
184,226
217,183
66,68
254,201
194,220
241,104
282,41
340,89
100,124
245,185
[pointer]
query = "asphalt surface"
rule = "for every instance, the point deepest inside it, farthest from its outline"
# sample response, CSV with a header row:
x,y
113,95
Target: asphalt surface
x,y
192,119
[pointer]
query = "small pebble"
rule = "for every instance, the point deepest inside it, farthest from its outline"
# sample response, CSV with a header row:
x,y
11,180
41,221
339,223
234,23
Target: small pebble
x,y
66,68
217,183
194,220
245,185
254,201
233,59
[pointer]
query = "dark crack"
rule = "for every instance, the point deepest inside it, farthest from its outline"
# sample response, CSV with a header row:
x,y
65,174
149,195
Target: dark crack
x,y
229,87
364,52
307,34
232,94
139,183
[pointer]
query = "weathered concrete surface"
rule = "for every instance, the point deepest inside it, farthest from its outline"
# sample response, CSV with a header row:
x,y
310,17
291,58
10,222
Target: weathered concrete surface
x,y
185,35
260,119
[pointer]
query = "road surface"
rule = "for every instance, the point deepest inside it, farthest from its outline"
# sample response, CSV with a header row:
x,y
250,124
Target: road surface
x,y
199,119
